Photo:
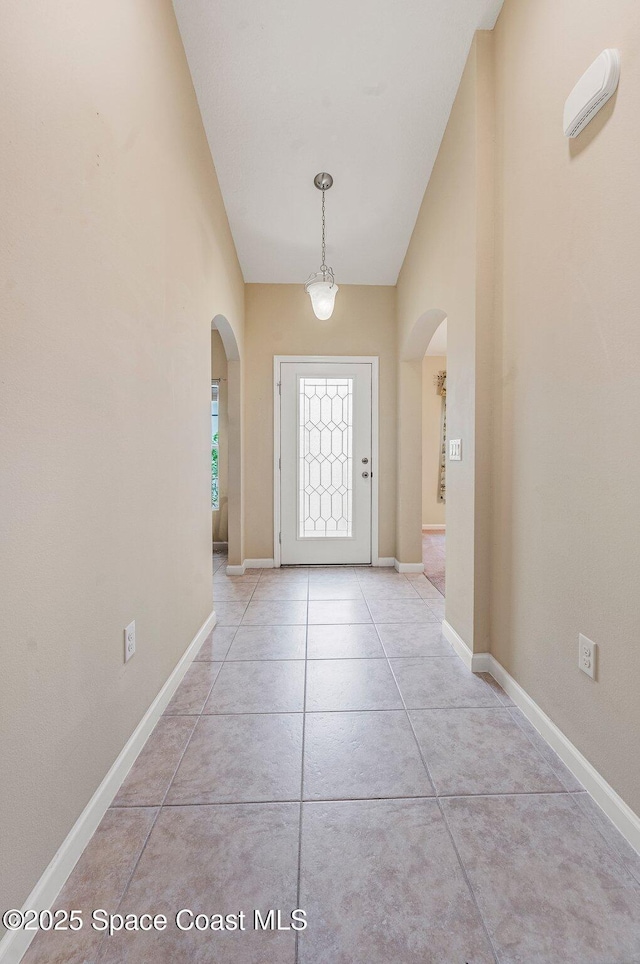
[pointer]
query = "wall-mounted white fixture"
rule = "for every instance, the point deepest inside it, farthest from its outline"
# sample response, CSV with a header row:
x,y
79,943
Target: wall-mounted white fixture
x,y
587,653
455,450
592,92
129,641
321,286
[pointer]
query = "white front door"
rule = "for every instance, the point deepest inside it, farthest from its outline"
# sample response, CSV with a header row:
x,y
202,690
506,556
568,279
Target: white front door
x,y
325,462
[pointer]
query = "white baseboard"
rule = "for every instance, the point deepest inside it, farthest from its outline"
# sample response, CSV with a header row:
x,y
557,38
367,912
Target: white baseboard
x,y
408,566
428,527
620,814
15,943
250,564
459,645
482,663
385,561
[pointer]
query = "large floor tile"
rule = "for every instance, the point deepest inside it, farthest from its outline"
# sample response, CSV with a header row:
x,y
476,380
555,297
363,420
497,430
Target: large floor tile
x,y
549,888
351,755
250,578
194,689
497,689
275,613
563,773
333,589
98,880
440,682
230,612
268,642
407,639
217,643
629,857
381,885
344,642
232,591
351,684
379,575
480,751
281,589
436,606
148,780
400,611
423,587
214,860
388,589
283,575
259,686
337,611
232,759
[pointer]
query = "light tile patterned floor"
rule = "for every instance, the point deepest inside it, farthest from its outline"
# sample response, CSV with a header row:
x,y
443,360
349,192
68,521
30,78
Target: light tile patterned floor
x,y
327,750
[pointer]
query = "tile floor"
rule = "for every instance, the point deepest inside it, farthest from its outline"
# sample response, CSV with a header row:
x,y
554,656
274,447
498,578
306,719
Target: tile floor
x,y
433,557
327,750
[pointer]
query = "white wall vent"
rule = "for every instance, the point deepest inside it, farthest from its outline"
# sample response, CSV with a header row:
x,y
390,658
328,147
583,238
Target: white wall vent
x,y
592,92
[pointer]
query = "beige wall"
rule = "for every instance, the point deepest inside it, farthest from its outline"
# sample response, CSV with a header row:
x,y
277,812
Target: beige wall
x,y
567,416
116,254
433,511
279,321
219,370
529,243
442,277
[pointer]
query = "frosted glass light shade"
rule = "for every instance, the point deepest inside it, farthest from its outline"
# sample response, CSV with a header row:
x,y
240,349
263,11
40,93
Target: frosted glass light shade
x,y
323,296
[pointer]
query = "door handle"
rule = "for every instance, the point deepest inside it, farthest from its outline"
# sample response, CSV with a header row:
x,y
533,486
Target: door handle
x,y
365,461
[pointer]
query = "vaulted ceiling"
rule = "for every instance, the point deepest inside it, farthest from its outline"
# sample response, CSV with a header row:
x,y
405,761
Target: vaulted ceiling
x,y
359,88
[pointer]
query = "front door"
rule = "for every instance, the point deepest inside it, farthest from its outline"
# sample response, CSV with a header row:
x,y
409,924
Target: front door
x,y
325,462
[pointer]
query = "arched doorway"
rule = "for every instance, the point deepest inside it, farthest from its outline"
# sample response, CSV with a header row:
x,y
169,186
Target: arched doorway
x,y
434,464
229,523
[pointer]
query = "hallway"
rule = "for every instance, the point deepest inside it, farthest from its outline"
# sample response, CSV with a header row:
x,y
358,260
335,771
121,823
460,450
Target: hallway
x,y
328,751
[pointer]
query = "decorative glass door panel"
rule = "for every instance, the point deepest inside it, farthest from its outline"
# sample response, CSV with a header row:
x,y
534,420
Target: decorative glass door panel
x,y
325,454
325,462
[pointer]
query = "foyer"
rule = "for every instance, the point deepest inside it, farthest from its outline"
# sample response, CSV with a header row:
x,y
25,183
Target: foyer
x,y
328,751
291,295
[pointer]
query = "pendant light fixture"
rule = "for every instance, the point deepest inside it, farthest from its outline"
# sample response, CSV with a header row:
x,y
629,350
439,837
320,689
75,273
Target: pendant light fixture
x,y
321,286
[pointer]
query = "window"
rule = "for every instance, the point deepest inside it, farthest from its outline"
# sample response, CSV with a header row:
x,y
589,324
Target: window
x,y
215,492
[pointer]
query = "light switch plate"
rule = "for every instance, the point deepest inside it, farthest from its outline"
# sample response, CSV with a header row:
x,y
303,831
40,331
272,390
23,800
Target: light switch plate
x,y
455,450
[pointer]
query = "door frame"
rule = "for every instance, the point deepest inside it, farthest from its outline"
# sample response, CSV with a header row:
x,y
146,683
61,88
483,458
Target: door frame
x,y
372,360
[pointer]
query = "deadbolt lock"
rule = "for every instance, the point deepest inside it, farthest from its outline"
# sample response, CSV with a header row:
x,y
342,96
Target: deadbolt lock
x,y
365,475
364,461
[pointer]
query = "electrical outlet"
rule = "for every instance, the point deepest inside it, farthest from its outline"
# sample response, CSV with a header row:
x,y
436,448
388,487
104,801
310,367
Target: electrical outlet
x,y
129,641
455,450
587,651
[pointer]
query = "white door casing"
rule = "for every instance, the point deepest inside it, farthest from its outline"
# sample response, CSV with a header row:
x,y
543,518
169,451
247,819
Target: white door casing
x,y
325,452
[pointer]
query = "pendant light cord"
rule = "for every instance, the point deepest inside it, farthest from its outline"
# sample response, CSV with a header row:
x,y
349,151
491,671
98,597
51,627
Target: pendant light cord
x,y
323,266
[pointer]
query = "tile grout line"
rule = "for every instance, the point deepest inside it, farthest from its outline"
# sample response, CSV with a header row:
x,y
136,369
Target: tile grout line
x,y
158,809
403,796
440,808
466,877
304,720
197,716
390,709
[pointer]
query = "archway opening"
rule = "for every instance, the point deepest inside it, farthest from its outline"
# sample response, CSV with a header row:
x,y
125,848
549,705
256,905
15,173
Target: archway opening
x,y
434,452
226,444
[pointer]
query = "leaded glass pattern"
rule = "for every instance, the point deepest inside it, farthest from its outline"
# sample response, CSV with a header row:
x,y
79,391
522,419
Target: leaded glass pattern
x,y
325,476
